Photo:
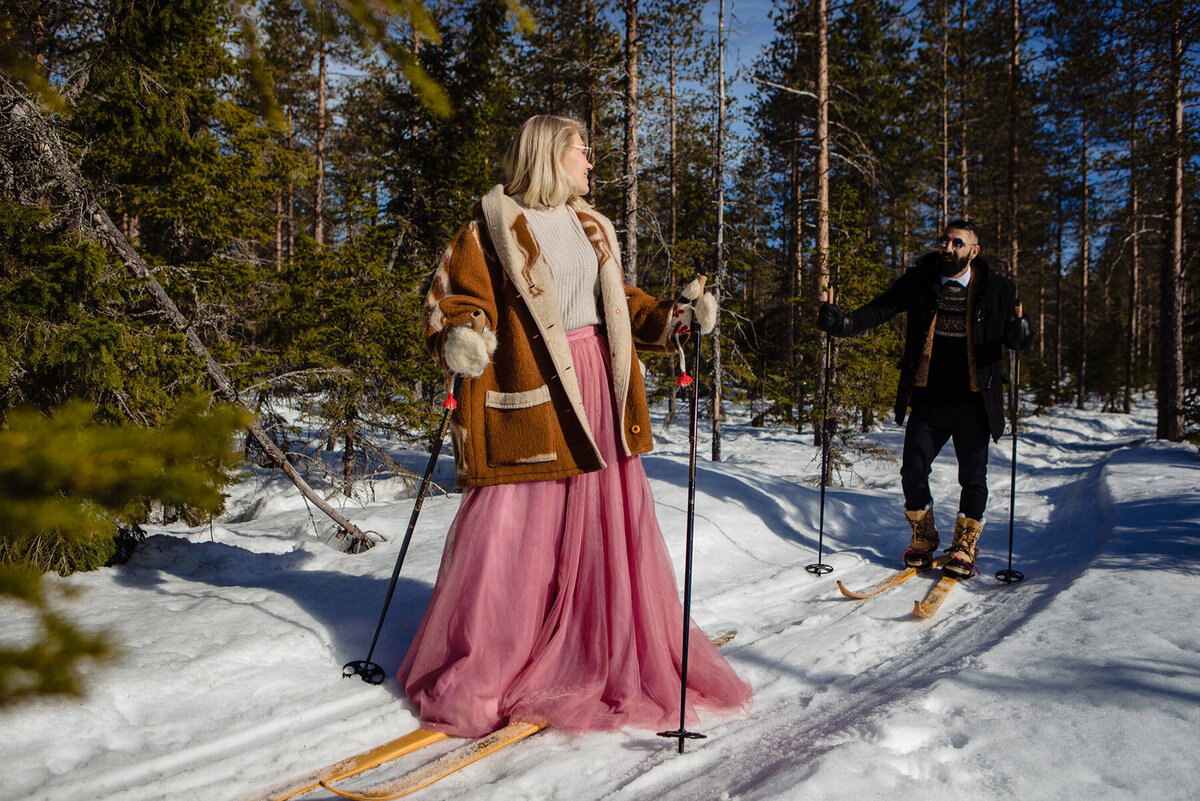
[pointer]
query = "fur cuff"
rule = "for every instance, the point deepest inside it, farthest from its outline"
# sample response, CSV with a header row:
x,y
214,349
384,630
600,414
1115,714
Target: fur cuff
x,y
467,351
705,310
702,306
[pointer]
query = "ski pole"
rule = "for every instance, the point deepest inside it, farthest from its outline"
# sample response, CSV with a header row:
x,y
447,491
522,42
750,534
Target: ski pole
x,y
682,733
1010,576
370,672
819,568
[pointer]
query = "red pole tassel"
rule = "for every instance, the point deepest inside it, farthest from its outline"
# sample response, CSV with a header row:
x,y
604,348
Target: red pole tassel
x,y
683,380
450,402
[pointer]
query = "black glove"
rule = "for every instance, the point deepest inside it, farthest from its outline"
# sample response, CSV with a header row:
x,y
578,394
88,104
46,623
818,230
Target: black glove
x,y
831,319
1017,332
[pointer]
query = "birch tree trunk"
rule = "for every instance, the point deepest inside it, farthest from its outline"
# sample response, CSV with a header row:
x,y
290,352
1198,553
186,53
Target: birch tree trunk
x,y
718,377
796,269
796,234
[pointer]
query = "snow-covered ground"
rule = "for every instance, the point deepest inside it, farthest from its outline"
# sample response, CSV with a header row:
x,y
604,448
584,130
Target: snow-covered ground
x,y
1083,681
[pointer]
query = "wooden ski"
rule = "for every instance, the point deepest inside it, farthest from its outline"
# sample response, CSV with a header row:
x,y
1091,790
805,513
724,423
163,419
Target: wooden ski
x,y
441,767
419,777
899,577
351,766
935,596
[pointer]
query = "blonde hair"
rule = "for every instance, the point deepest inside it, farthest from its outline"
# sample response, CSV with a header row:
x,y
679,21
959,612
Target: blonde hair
x,y
533,162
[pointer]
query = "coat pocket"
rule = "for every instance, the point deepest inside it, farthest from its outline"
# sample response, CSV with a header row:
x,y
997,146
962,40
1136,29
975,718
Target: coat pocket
x,y
517,427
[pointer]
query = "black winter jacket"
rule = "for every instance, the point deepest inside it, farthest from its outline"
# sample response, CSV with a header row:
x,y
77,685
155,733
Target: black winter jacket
x,y
916,292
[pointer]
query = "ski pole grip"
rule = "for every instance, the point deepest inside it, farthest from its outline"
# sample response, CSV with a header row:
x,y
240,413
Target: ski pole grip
x,y
477,323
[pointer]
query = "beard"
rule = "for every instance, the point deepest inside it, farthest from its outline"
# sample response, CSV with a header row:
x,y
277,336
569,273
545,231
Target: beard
x,y
953,263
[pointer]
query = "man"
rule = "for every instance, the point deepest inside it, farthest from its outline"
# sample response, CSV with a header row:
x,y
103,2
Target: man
x,y
959,314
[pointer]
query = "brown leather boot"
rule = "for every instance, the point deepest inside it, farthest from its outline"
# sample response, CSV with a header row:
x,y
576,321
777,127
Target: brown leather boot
x,y
961,563
924,539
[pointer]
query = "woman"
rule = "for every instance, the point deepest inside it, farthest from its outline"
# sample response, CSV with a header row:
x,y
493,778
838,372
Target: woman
x,y
556,601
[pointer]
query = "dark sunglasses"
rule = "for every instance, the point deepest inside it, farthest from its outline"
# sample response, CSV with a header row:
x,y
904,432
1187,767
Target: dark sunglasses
x,y
958,243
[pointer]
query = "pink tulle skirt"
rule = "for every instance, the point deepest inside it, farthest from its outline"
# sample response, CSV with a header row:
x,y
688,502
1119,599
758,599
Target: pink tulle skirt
x,y
556,602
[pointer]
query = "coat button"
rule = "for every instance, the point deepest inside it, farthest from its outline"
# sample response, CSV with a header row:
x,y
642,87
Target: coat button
x,y
635,428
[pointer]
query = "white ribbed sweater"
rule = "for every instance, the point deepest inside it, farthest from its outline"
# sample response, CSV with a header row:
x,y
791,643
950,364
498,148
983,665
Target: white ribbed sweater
x,y
571,259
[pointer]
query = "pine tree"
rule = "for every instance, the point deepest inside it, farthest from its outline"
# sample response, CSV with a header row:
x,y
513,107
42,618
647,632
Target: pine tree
x,y
66,330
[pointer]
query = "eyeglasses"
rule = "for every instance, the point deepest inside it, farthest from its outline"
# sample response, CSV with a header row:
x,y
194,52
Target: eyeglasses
x,y
958,243
587,151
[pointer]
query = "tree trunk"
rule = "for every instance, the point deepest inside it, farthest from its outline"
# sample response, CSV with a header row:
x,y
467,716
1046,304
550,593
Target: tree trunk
x,y
963,161
796,234
319,191
820,24
589,93
672,181
944,212
1014,119
1041,316
1170,365
1135,256
1085,263
414,44
630,180
796,269
349,453
279,230
718,377
290,200
1058,297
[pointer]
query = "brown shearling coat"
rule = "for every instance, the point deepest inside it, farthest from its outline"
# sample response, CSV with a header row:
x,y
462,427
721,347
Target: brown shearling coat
x,y
523,418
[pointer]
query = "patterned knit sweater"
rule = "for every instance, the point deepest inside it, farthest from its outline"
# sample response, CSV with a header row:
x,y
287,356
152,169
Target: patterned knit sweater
x,y
949,377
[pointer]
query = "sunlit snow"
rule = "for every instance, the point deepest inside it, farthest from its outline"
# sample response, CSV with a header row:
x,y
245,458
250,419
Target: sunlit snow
x,y
1082,682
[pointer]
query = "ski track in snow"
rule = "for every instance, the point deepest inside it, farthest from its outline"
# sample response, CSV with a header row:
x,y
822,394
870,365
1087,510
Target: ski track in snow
x,y
845,704
831,675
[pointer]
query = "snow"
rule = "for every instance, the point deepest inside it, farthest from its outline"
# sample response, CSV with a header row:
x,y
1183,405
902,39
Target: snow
x,y
1081,682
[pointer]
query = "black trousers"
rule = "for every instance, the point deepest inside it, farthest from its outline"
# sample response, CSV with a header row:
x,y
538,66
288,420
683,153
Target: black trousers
x,y
929,428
